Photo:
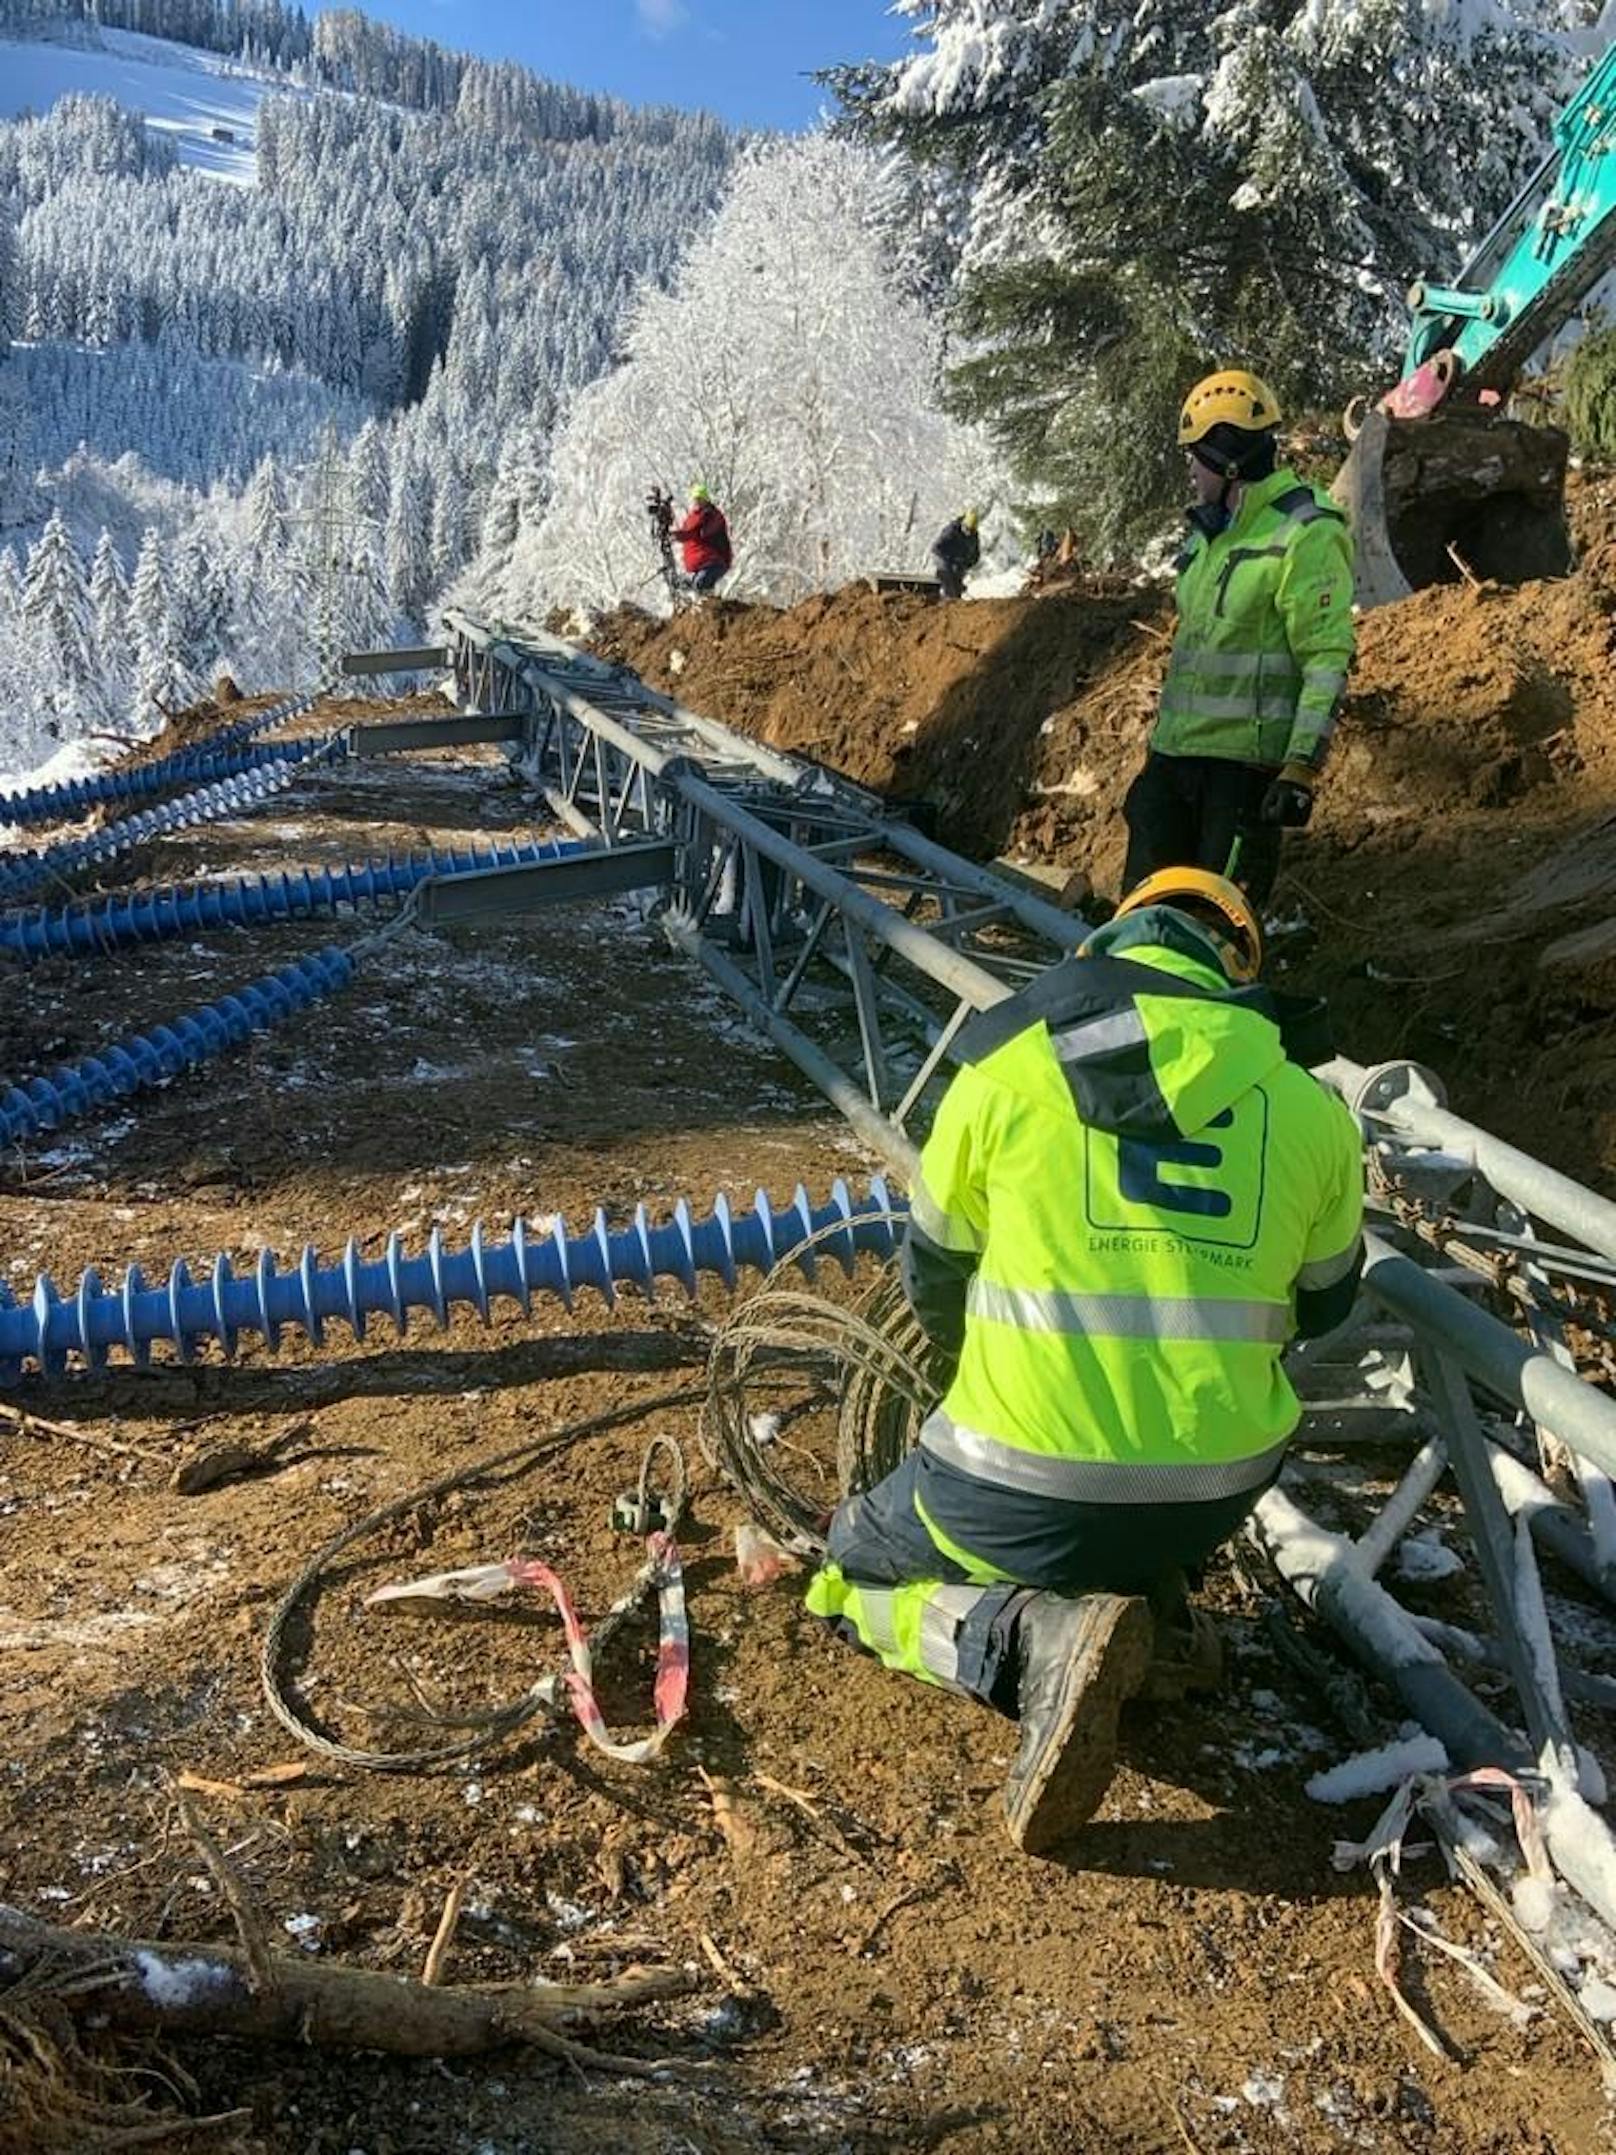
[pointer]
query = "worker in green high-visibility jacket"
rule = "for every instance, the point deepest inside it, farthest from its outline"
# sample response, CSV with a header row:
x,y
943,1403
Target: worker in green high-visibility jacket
x,y
1134,1196
1259,663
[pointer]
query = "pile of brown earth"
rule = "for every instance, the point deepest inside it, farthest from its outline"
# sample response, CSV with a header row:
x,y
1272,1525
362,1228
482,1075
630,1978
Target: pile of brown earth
x,y
1451,892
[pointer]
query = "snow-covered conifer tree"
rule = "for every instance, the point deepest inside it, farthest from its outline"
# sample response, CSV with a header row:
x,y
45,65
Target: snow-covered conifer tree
x,y
151,632
1132,197
408,550
787,372
268,531
109,599
56,599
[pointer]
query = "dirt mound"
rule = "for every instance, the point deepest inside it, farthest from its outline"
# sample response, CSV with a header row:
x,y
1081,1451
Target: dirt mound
x,y
920,701
1476,755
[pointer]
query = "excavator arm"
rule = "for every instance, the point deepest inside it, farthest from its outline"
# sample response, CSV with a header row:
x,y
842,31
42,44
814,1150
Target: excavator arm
x,y
1439,484
1539,262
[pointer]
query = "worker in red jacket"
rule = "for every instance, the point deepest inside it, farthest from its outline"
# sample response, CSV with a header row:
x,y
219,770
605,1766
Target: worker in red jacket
x,y
704,535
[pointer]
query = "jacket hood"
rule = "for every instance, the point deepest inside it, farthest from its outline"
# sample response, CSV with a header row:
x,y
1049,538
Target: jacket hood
x,y
1165,1056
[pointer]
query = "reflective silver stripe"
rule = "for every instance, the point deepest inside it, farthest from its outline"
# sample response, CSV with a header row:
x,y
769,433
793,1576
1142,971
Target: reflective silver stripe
x,y
1223,665
940,1619
872,1612
1331,679
1100,1036
1325,1271
1094,1481
1130,1316
1275,701
947,1229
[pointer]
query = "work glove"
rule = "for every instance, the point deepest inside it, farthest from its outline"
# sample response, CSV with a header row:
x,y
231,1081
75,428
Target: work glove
x,y
1289,799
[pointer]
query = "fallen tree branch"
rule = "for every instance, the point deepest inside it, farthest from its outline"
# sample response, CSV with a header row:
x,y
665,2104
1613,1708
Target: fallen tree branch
x,y
143,1987
443,1938
249,1925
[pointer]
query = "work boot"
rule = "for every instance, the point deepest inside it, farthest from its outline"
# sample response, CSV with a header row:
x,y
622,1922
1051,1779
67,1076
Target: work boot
x,y
1079,1661
1188,1653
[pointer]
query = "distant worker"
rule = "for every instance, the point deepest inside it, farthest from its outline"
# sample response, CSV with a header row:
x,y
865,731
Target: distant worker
x,y
704,537
957,548
1133,1196
1259,664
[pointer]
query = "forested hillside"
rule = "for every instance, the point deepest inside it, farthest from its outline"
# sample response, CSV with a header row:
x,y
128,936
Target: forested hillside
x,y
431,262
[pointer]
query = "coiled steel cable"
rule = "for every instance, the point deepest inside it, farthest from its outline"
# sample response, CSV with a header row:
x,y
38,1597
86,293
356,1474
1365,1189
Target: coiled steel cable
x,y
787,1355
489,1726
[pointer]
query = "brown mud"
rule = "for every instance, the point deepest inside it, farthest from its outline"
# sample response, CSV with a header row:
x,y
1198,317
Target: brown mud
x,y
1463,833
1195,1974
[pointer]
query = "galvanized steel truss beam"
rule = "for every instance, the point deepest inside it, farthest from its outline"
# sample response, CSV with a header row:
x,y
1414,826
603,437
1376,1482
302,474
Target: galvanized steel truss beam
x,y
801,894
859,945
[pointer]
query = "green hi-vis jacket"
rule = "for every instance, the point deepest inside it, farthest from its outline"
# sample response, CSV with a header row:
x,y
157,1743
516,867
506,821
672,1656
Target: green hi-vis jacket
x,y
1265,633
1139,1185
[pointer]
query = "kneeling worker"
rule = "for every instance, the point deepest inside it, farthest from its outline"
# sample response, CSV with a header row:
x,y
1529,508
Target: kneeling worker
x,y
1132,1200
1259,663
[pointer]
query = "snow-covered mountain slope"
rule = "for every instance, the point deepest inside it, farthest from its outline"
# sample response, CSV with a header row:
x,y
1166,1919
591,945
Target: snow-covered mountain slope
x,y
206,106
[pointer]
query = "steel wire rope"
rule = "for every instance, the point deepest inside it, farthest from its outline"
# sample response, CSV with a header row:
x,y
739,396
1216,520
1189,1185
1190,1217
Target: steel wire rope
x,y
491,1724
869,1360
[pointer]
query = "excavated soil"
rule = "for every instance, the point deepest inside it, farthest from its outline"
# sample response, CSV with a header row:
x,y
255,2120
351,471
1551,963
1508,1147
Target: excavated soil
x,y
874,1970
1466,831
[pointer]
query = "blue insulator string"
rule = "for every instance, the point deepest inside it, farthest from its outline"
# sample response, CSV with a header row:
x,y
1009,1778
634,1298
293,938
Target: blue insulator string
x,y
74,1089
21,873
190,767
47,1329
222,755
157,914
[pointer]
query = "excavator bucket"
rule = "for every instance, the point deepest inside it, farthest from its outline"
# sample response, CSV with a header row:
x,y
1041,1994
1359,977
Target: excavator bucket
x,y
1460,495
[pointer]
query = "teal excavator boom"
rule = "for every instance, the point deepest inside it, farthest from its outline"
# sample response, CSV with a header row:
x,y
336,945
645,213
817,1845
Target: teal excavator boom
x,y
1440,483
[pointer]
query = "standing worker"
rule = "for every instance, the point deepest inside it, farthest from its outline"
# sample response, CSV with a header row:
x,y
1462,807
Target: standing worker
x,y
1133,1197
704,536
957,548
1259,664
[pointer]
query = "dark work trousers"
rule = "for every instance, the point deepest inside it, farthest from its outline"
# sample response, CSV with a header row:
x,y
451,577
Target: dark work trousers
x,y
950,580
1194,812
879,1539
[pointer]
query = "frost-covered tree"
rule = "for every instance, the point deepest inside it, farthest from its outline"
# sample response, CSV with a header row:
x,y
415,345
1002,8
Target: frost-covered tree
x,y
367,475
199,607
408,549
1128,197
151,632
109,601
18,496
56,599
268,531
786,371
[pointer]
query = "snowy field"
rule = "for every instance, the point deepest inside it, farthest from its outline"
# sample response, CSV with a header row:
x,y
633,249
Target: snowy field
x,y
192,97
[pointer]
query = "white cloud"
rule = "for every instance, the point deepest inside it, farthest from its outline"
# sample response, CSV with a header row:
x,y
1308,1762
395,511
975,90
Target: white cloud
x,y
660,18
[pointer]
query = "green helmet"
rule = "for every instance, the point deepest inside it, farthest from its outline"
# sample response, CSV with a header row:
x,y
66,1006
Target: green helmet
x,y
699,492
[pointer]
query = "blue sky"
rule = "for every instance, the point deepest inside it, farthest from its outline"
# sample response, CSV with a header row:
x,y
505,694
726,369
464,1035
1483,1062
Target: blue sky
x,y
747,60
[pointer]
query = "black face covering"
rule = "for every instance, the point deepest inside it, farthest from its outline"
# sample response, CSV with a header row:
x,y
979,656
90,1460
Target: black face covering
x,y
1234,454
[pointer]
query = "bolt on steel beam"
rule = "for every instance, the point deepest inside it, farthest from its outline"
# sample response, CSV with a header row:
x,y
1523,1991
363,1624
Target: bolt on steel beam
x,y
1403,1098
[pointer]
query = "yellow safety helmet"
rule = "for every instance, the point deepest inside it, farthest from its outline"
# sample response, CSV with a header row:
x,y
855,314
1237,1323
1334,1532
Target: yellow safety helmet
x,y
1241,946
971,519
1233,399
